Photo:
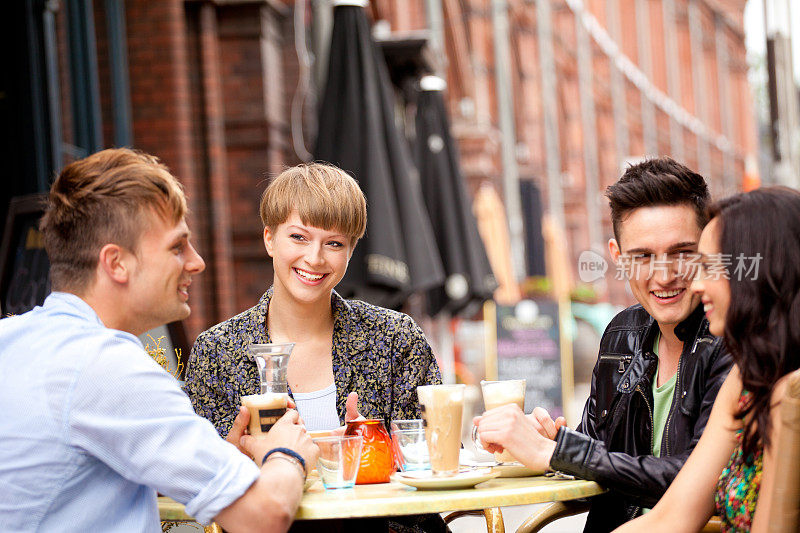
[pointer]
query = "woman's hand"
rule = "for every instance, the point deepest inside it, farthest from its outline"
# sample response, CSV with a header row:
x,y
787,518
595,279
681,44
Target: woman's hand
x,y
350,412
351,408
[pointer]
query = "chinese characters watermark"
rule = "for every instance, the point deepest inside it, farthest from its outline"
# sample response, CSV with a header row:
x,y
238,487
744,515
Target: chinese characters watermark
x,y
689,266
592,266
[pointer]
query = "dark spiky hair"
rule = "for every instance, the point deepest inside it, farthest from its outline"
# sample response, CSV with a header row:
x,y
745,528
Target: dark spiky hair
x,y
656,182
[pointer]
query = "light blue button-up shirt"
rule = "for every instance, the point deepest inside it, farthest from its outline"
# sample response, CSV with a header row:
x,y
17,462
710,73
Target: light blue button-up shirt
x,y
91,427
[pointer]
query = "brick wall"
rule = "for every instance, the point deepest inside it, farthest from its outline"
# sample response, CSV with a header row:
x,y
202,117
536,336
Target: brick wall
x,y
212,86
470,76
208,97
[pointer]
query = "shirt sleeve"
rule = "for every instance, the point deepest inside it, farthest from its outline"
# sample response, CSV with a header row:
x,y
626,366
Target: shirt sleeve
x,y
130,414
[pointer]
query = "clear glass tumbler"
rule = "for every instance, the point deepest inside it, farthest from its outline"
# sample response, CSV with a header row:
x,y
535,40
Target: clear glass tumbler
x,y
338,460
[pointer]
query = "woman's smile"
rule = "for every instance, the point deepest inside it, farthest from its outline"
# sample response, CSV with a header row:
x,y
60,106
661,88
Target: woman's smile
x,y
311,278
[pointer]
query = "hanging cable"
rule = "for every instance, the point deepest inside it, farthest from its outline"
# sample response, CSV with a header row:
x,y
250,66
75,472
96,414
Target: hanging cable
x,y
301,91
640,80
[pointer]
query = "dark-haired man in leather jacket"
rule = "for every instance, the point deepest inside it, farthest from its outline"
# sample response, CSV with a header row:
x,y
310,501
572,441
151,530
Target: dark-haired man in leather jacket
x,y
658,370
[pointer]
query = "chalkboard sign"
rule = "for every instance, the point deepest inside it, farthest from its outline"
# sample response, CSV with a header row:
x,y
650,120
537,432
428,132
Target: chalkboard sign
x,y
527,345
24,267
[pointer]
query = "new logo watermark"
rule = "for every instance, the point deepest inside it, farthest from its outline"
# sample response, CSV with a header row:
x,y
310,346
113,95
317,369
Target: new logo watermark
x,y
591,266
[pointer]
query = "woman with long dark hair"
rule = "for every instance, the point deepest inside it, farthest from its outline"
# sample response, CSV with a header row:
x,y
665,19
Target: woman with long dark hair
x,y
749,281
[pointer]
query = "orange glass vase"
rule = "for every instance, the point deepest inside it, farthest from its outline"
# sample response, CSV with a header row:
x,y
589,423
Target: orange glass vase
x,y
377,459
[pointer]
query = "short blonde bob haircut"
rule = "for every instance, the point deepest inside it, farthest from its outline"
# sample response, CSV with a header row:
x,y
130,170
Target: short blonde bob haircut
x,y
324,196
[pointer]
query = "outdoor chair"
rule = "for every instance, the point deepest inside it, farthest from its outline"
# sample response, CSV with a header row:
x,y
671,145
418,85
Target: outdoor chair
x,y
493,516
557,510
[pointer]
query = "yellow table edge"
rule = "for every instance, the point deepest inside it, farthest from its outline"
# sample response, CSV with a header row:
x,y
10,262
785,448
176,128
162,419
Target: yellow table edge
x,y
169,509
503,492
403,500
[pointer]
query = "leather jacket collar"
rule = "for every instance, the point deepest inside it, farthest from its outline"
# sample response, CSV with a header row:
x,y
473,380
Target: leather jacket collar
x,y
643,364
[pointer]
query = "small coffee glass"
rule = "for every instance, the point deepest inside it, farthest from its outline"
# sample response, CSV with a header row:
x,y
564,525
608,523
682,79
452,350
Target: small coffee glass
x,y
411,449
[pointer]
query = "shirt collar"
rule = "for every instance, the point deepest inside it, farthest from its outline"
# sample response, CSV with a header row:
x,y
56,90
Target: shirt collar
x,y
689,328
68,303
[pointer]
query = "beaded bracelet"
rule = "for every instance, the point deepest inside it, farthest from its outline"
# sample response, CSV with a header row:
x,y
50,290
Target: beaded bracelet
x,y
291,455
293,461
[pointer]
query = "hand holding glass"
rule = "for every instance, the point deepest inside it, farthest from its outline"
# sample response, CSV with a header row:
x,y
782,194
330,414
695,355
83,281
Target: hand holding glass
x,y
497,394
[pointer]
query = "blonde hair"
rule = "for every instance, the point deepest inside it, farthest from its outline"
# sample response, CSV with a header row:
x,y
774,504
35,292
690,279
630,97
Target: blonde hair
x,y
108,197
324,196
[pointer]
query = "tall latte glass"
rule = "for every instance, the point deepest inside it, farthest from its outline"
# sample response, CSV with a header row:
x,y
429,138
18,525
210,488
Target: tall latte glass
x,y
266,408
442,407
499,393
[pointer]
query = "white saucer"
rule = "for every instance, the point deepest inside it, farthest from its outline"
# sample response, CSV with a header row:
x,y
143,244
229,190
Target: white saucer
x,y
506,469
516,470
425,480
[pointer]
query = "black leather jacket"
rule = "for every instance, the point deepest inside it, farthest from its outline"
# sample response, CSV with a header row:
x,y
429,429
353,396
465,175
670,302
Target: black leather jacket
x,y
613,442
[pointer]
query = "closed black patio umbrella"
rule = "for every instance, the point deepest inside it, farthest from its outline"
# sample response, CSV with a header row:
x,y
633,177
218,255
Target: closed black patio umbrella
x,y
469,278
357,132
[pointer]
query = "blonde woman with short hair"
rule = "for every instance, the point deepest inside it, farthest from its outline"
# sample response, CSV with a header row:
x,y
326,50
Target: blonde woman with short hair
x,y
313,217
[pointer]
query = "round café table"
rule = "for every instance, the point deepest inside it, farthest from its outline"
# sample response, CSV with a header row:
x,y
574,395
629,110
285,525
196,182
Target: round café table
x,y
389,499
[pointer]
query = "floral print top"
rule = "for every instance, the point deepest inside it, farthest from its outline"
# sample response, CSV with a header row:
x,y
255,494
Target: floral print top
x,y
378,353
738,486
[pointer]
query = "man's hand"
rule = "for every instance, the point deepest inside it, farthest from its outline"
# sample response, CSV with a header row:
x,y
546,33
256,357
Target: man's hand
x,y
507,428
546,426
239,429
288,432
240,426
271,502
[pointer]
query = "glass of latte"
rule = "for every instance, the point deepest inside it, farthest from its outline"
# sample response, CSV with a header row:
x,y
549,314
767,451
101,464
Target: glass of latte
x,y
442,407
268,406
497,394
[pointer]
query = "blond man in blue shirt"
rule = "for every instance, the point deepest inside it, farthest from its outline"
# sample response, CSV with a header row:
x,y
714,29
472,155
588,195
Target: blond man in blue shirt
x,y
92,427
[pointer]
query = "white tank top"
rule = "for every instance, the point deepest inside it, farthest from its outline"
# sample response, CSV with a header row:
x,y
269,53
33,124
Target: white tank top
x,y
318,408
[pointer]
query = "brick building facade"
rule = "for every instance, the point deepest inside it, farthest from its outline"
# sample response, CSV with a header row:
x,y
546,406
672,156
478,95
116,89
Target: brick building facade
x,y
210,85
691,51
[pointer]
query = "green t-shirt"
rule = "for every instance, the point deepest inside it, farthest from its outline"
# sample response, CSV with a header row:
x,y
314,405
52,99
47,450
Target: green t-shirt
x,y
662,400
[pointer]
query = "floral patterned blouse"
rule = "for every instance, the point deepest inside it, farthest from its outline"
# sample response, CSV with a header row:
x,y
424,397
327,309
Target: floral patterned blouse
x,y
738,486
378,353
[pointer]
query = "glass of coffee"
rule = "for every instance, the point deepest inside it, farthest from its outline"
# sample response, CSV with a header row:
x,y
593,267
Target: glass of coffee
x,y
266,408
442,407
497,394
